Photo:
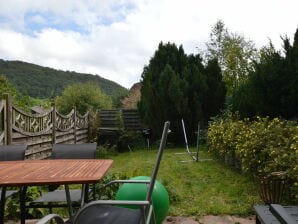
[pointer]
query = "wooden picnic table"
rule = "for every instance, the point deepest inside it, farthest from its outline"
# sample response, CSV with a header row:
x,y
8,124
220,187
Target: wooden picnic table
x,y
43,172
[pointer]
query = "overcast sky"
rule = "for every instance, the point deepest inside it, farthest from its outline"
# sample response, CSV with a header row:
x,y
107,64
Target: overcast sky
x,y
116,38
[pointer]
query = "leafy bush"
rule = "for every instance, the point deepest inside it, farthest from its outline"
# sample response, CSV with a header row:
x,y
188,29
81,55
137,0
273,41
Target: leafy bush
x,y
84,96
104,151
262,146
265,146
294,172
223,135
12,210
109,192
130,140
122,141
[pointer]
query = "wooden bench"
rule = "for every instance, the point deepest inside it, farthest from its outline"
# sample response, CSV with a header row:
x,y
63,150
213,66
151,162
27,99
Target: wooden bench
x,y
275,213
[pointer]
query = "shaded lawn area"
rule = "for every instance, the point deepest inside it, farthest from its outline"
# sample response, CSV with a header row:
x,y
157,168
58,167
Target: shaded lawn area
x,y
195,188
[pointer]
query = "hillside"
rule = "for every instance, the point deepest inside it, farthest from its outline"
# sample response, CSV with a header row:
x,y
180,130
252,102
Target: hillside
x,y
43,82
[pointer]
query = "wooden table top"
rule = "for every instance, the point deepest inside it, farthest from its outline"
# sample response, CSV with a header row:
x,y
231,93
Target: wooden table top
x,y
41,172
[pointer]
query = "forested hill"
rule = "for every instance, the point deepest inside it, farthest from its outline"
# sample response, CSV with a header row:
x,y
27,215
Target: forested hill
x,y
43,82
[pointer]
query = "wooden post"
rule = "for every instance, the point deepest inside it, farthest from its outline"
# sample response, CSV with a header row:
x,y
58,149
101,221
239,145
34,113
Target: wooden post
x,y
4,114
8,120
75,124
54,124
89,125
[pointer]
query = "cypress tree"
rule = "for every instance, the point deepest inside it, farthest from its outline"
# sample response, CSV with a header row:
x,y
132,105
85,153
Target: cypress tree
x,y
176,86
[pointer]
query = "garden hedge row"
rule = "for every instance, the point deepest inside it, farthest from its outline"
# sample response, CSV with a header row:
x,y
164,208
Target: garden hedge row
x,y
258,147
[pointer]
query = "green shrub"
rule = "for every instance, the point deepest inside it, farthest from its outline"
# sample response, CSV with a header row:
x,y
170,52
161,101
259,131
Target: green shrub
x,y
109,193
293,173
262,146
265,146
130,140
223,135
12,210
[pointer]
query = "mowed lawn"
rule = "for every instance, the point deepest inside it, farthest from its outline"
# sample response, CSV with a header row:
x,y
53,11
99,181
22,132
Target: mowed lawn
x,y
195,188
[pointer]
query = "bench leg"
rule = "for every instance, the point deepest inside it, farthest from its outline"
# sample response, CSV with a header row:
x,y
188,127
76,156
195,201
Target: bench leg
x,y
23,204
257,220
2,205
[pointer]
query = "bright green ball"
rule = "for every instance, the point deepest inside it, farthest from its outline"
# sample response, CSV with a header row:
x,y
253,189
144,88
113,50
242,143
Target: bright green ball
x,y
160,196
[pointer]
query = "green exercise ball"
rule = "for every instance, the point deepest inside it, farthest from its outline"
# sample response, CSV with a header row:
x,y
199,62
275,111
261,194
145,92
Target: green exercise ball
x,y
160,196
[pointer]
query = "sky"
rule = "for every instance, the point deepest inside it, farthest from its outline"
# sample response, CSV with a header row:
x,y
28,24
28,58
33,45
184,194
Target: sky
x,y
115,39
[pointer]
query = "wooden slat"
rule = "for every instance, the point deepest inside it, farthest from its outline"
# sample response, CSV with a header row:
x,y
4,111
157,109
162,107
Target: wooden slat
x,y
265,216
285,215
131,119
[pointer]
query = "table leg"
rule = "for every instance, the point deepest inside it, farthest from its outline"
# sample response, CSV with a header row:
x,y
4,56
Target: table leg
x,y
2,204
68,199
23,204
84,194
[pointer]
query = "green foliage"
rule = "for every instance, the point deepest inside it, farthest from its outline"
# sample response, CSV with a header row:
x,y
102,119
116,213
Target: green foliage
x,y
45,103
84,96
130,140
222,135
43,82
19,100
12,210
262,146
106,150
271,89
175,86
234,53
6,87
109,193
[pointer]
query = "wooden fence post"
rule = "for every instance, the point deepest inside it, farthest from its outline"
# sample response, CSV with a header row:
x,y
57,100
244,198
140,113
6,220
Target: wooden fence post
x,y
54,124
75,124
8,120
2,119
89,118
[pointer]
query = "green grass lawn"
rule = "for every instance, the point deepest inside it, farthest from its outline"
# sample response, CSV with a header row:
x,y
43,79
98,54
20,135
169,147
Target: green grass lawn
x,y
195,188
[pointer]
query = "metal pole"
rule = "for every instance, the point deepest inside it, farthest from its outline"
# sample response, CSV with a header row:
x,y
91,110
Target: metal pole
x,y
198,142
184,133
185,138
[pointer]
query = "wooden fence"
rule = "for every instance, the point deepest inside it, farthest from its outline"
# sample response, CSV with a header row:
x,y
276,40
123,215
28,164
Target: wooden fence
x,y
40,132
123,119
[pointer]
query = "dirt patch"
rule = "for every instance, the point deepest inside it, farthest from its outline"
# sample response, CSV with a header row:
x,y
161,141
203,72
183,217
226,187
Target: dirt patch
x,y
210,219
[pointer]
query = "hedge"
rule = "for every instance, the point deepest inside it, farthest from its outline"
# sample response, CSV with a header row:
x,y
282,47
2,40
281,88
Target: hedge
x,y
258,147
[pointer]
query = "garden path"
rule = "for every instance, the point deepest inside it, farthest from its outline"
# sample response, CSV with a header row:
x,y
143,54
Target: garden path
x,y
210,219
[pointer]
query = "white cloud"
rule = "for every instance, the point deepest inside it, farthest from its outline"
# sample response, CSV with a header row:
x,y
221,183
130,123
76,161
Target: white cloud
x,y
115,39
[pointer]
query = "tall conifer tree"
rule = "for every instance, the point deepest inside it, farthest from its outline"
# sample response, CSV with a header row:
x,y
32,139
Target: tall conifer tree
x,y
176,86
